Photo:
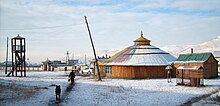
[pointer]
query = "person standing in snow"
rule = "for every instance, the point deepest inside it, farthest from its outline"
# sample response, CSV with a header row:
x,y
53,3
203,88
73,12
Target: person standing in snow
x,y
71,77
169,75
169,72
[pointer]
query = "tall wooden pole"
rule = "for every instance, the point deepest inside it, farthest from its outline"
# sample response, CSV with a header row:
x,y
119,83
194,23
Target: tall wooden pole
x,y
12,56
67,57
6,64
85,60
90,36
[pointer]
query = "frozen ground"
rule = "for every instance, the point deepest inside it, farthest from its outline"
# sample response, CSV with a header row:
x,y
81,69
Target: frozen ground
x,y
212,100
38,89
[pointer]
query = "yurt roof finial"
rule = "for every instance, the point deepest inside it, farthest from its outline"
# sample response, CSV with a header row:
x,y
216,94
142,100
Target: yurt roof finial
x,y
142,40
141,33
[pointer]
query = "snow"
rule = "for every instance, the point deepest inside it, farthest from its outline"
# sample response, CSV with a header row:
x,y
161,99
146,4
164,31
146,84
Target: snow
x,y
109,92
189,67
212,100
147,60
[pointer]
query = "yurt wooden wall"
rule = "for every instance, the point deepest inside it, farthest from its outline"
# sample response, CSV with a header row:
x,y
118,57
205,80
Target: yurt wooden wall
x,y
137,72
101,69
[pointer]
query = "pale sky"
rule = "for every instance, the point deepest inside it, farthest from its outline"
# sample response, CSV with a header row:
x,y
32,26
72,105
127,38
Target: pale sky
x,y
52,27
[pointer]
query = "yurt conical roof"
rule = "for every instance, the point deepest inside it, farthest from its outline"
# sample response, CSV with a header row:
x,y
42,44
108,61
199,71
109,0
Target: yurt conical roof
x,y
141,54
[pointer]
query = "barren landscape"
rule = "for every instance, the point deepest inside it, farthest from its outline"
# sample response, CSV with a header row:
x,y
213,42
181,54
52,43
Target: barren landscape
x,y
38,89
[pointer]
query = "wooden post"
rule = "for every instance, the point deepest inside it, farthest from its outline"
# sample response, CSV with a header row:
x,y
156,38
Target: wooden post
x,y
12,58
6,64
85,60
177,76
90,36
24,58
182,76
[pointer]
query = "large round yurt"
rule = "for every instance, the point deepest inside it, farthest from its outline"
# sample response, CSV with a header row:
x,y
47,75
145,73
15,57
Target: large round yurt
x,y
141,60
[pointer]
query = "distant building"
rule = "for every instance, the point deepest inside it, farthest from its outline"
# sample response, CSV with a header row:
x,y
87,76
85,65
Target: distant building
x,y
47,65
101,60
34,67
73,61
59,65
9,64
56,62
3,65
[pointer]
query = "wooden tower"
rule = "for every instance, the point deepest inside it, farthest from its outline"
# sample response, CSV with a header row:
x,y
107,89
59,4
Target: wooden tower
x,y
18,56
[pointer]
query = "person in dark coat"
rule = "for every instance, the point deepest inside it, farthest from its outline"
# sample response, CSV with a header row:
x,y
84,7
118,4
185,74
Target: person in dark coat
x,y
71,77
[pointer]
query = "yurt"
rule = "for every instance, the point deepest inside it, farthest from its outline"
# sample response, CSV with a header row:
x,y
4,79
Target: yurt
x,y
141,60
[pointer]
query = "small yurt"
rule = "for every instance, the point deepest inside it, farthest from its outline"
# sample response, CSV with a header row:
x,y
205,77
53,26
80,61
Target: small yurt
x,y
141,60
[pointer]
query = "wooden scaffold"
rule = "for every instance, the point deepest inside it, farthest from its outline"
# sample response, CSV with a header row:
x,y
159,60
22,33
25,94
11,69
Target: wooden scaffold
x,y
18,56
190,75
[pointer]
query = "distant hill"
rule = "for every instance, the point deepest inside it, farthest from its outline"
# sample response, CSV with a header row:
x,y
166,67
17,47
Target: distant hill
x,y
207,46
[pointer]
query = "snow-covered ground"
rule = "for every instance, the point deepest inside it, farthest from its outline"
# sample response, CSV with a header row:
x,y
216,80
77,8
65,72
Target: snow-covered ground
x,y
37,89
212,100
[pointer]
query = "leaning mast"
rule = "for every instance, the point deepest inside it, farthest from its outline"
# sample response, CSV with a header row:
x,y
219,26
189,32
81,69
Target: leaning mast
x,y
96,60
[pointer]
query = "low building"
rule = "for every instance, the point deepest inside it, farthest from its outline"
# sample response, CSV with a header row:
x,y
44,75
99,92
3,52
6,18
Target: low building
x,y
34,67
3,65
204,60
47,65
58,65
73,61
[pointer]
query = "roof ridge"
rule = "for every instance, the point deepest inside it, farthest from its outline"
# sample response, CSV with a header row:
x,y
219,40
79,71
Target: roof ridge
x,y
196,53
194,57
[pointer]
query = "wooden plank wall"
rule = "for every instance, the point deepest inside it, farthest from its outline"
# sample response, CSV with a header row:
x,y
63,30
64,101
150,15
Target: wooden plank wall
x,y
190,74
131,72
211,68
122,72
